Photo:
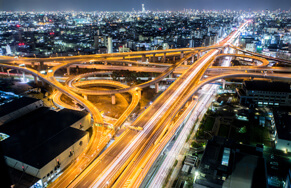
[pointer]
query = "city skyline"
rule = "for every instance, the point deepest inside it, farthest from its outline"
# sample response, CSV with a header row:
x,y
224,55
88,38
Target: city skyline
x,y
160,5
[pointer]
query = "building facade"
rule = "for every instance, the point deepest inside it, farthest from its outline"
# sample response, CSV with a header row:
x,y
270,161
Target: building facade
x,y
263,93
44,142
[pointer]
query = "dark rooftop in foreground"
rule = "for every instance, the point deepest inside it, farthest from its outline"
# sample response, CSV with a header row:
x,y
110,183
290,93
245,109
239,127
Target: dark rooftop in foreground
x,y
20,179
39,136
268,86
283,124
15,105
225,163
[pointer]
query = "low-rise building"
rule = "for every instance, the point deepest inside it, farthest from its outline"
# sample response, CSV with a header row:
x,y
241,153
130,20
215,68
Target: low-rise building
x,y
263,93
283,130
228,164
43,142
17,108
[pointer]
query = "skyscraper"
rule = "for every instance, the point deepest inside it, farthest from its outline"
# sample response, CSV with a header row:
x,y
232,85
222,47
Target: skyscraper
x,y
143,9
8,50
109,45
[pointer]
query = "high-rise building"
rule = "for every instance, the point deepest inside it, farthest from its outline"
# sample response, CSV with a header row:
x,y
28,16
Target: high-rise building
x,y
8,50
143,9
109,45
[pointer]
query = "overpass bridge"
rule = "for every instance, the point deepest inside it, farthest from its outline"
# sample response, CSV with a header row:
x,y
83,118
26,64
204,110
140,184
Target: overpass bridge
x,y
131,144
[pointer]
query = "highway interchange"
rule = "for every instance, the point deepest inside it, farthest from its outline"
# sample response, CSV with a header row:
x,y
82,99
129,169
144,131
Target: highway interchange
x,y
129,158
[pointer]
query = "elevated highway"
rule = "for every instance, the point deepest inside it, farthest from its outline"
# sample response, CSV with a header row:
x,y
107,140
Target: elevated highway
x,y
107,83
250,68
263,61
167,72
261,55
135,143
137,178
99,133
160,69
126,55
148,120
136,169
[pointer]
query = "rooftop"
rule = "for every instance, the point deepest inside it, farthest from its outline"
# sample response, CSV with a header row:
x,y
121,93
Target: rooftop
x,y
223,158
41,135
15,105
283,124
268,86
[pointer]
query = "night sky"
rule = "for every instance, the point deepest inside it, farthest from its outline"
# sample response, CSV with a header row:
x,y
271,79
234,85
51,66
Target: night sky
x,y
128,5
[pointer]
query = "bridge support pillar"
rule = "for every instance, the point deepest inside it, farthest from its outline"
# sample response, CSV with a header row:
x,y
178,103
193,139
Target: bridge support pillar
x,y
85,97
154,58
193,59
143,58
198,55
68,71
32,64
174,58
165,57
41,65
171,75
23,76
139,92
113,99
105,62
185,62
8,72
2,69
35,79
157,87
182,55
223,84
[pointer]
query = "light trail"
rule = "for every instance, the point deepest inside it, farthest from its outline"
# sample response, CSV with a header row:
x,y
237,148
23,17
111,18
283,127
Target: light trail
x,y
151,118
